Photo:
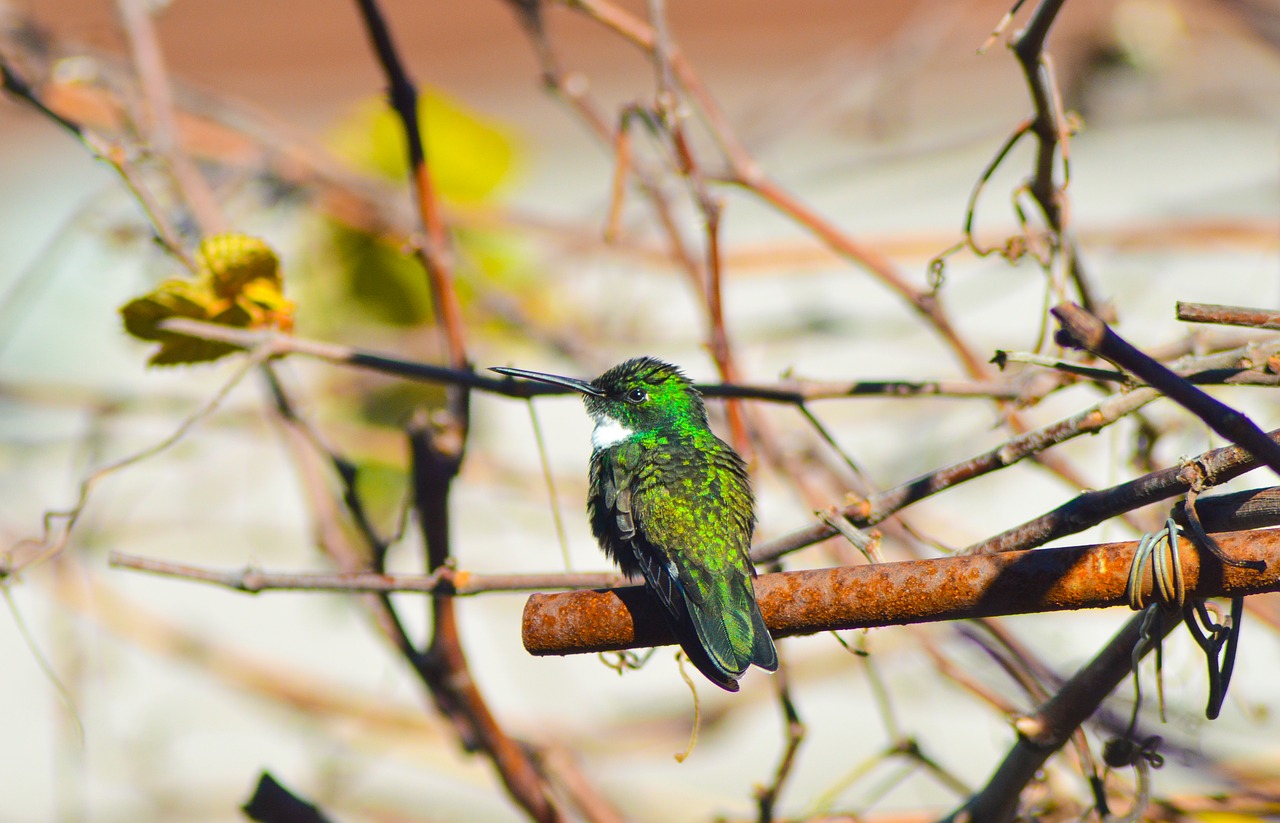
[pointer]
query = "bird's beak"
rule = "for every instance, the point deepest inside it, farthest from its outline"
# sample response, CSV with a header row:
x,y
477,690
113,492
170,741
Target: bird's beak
x,y
554,379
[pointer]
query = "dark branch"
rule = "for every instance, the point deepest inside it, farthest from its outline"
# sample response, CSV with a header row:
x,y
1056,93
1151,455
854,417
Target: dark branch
x,y
1084,330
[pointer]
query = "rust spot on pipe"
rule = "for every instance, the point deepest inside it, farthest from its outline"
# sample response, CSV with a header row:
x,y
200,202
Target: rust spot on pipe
x,y
913,591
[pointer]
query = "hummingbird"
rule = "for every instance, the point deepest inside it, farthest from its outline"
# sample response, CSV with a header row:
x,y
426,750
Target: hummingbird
x,y
671,502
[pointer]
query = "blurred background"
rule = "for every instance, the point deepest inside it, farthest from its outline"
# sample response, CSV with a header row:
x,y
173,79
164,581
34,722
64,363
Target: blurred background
x,y
128,697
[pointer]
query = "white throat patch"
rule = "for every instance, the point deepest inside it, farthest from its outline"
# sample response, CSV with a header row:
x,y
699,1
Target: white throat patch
x,y
609,432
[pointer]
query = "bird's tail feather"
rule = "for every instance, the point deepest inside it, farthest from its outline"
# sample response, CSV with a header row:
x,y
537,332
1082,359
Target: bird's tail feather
x,y
701,621
731,634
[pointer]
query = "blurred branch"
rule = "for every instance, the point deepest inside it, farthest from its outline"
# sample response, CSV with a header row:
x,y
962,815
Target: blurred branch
x,y
1043,732
746,173
57,525
795,731
910,591
113,155
163,137
262,676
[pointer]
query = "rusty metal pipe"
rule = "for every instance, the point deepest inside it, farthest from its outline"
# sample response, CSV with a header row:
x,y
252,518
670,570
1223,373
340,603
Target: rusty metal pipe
x,y
912,591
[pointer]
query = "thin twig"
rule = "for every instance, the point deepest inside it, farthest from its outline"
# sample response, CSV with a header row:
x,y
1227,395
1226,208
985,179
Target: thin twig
x,y
767,796
112,154
795,391
1052,138
1228,315
746,173
1075,369
163,136
445,580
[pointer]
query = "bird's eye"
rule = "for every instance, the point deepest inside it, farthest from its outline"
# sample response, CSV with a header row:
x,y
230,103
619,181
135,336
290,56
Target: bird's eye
x,y
637,395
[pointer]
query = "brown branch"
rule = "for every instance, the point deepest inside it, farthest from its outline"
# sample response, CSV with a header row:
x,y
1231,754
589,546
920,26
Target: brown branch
x,y
666,120
437,446
1051,131
434,254
437,456
1228,315
1087,331
445,580
911,591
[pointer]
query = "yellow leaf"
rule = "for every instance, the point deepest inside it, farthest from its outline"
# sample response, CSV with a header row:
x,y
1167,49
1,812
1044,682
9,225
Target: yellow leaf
x,y
231,260
172,298
238,285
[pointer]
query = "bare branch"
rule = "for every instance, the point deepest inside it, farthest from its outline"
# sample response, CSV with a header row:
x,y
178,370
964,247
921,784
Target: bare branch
x,y
1229,315
445,580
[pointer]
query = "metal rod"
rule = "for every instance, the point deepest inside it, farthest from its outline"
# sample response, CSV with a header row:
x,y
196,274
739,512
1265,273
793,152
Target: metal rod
x,y
913,591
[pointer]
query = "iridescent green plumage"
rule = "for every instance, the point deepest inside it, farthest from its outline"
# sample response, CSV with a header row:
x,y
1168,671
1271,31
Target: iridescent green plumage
x,y
671,502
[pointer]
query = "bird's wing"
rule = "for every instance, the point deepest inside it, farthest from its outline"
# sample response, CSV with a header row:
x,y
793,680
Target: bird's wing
x,y
697,552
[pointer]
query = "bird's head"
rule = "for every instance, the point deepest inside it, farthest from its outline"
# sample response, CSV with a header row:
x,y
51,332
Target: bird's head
x,y
639,395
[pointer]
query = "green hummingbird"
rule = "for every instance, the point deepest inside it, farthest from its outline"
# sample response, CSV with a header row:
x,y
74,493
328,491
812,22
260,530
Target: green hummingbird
x,y
671,502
